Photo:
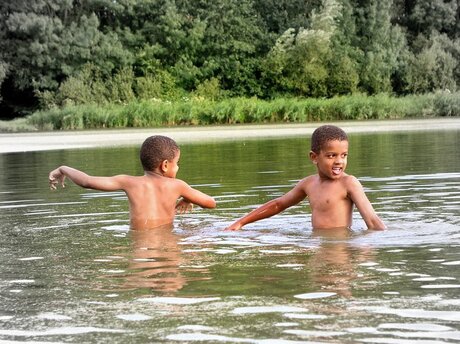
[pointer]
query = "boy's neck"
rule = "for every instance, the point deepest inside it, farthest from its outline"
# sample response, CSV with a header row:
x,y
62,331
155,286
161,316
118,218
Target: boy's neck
x,y
154,173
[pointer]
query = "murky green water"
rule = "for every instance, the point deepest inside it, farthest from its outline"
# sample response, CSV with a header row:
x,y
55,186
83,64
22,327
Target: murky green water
x,y
72,272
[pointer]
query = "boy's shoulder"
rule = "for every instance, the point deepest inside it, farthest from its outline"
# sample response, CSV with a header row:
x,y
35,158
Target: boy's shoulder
x,y
350,178
351,181
146,180
309,179
173,182
307,182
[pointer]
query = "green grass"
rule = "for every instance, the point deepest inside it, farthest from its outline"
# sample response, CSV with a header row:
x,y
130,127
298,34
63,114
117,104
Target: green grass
x,y
143,114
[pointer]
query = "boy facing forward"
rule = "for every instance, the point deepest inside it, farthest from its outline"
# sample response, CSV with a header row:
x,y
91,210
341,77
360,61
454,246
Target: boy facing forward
x,y
155,196
331,192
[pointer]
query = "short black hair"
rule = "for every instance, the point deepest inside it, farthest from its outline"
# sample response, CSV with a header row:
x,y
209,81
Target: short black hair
x,y
324,134
156,149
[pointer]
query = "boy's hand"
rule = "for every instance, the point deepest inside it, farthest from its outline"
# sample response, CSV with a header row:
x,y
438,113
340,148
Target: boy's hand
x,y
184,206
236,226
56,177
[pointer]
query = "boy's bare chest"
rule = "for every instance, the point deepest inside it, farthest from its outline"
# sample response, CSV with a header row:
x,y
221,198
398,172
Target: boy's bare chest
x,y
326,195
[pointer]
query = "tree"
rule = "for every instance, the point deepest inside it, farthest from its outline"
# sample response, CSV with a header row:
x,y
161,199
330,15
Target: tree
x,y
343,67
3,63
298,63
434,67
232,43
3,72
434,15
44,42
280,15
381,43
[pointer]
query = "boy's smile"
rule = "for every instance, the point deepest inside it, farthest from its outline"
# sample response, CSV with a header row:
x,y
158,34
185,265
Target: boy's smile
x,y
331,161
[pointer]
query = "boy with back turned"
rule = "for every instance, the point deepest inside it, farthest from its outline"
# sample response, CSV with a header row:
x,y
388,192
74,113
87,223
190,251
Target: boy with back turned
x,y
331,192
154,197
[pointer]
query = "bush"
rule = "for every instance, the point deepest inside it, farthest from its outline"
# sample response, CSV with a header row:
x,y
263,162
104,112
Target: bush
x,y
209,89
151,113
444,104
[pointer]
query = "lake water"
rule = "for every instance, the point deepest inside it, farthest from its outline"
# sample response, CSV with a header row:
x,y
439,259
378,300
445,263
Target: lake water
x,y
71,271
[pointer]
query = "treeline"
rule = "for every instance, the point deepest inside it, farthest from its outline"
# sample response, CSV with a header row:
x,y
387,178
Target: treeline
x,y
55,53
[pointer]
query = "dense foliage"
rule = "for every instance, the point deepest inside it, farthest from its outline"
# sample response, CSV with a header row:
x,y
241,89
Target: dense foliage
x,y
55,53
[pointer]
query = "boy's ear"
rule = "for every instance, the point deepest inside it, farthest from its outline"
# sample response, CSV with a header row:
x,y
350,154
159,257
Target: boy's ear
x,y
313,157
164,166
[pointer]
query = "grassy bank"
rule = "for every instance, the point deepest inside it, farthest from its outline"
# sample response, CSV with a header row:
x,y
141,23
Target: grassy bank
x,y
239,110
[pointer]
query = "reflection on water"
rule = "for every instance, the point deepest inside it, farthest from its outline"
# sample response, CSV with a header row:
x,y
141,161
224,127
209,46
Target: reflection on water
x,y
334,264
71,271
155,261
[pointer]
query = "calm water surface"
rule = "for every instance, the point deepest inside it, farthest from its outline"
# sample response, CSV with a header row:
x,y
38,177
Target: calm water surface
x,y
71,271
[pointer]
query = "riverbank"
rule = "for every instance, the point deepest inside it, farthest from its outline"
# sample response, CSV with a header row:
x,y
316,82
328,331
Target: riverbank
x,y
39,141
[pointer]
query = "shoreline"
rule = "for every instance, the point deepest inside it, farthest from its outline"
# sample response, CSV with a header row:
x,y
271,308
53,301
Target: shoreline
x,y
58,140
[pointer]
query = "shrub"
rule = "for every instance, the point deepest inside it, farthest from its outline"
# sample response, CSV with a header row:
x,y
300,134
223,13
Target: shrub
x,y
149,113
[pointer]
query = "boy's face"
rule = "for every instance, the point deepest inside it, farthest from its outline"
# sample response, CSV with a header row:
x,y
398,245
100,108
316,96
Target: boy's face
x,y
331,161
173,166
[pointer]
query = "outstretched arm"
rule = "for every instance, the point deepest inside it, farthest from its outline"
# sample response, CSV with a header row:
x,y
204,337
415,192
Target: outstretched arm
x,y
271,208
191,195
82,179
365,208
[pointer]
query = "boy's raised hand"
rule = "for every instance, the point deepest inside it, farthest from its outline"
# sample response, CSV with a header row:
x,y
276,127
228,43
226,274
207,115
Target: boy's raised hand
x,y
56,177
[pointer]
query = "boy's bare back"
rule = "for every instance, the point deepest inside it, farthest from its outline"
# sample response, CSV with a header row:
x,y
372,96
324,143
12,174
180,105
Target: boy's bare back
x,y
154,197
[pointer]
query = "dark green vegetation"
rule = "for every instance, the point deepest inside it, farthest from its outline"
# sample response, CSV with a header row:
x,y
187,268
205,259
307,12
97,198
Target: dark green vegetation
x,y
244,110
94,57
